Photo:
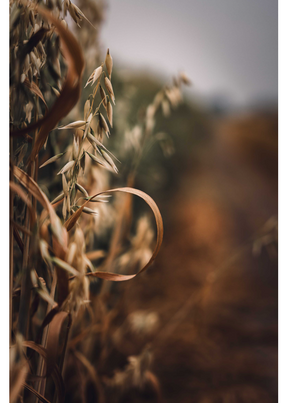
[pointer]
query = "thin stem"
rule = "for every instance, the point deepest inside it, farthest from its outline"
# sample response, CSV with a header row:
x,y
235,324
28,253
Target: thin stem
x,y
25,285
11,249
41,364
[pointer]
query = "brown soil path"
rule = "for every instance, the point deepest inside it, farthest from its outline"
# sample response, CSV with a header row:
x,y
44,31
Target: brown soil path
x,y
216,301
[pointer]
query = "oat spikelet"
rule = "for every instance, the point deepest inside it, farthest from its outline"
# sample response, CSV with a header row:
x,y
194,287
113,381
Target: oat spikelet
x,y
97,74
55,158
74,14
88,210
82,162
183,77
103,96
68,203
109,88
75,125
109,160
87,109
66,6
99,146
109,111
75,147
95,159
56,92
64,208
65,185
109,63
90,79
94,76
77,14
82,190
99,132
104,125
58,198
66,167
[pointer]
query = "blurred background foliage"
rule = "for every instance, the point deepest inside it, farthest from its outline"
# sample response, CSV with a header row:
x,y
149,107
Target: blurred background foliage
x,y
214,285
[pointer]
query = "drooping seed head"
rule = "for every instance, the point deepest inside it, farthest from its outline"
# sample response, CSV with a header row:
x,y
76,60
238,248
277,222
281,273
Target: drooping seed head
x,y
65,185
74,13
86,109
58,198
82,162
74,125
64,208
94,76
103,96
109,63
68,203
67,167
95,159
97,74
103,124
109,111
56,92
99,131
66,6
75,147
109,88
82,190
88,210
109,160
186,80
52,159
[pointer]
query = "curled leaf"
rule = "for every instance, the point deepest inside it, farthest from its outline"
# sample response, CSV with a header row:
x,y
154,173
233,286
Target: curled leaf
x,y
159,225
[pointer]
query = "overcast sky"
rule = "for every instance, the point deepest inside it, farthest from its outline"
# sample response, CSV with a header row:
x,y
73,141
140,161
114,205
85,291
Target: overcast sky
x,y
227,47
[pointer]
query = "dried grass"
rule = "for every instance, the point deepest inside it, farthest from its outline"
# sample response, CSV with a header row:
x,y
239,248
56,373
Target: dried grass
x,y
53,259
